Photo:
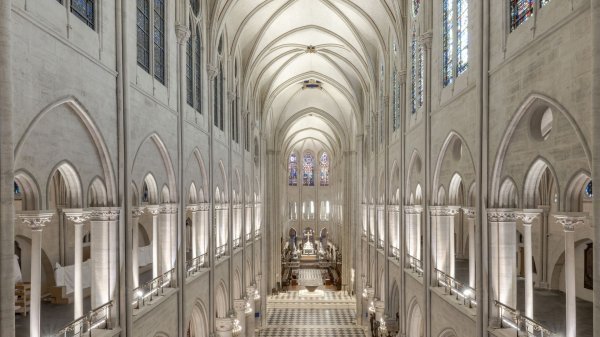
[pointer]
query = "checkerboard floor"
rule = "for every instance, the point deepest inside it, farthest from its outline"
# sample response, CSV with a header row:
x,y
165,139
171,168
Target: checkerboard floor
x,y
328,295
310,317
312,332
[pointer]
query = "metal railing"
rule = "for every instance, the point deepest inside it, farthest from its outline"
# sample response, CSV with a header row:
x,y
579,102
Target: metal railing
x,y
372,237
380,243
248,237
196,264
364,233
149,290
395,252
221,251
97,318
453,287
236,243
415,264
257,233
512,318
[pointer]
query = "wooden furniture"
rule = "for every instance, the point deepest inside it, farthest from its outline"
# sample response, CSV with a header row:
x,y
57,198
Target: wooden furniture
x,y
22,297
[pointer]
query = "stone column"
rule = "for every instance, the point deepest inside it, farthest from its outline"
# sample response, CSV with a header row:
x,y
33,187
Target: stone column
x,y
104,251
155,211
413,230
78,217
240,306
36,221
368,296
250,291
527,217
224,327
569,221
204,223
194,210
470,215
443,237
503,247
136,213
166,239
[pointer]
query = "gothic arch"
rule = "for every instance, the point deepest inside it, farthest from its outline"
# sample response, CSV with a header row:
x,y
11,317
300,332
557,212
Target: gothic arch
x,y
97,193
70,180
30,192
532,179
166,160
413,178
221,301
198,324
414,319
452,139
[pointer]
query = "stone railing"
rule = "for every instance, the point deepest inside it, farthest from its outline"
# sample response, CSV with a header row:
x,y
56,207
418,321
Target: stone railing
x,y
380,243
221,251
98,318
395,252
148,291
237,243
415,264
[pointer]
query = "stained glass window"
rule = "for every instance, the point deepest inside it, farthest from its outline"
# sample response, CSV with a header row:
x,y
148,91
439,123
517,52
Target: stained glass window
x,y
221,98
199,70
416,4
216,101
421,79
414,73
84,10
448,41
520,11
293,170
145,192
189,73
17,188
462,36
588,190
324,169
159,40
143,34
396,99
309,170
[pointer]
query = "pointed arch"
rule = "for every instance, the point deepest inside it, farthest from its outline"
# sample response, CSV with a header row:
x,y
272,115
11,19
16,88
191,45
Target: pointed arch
x,y
30,191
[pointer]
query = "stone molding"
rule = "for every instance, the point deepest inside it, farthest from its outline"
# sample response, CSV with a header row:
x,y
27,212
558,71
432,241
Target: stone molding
x,y
223,324
35,220
239,306
153,209
528,215
168,209
502,215
413,209
394,208
182,33
570,220
104,213
444,210
193,208
222,206
137,212
204,207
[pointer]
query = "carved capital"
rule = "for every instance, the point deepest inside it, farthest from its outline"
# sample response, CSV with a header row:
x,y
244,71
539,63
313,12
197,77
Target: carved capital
x,y
425,39
224,324
137,212
35,220
168,209
528,215
212,72
570,220
183,33
469,212
413,209
193,208
444,210
77,215
104,213
502,215
240,305
205,207
153,209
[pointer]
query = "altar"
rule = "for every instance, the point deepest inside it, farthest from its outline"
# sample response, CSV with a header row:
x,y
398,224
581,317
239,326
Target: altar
x,y
308,249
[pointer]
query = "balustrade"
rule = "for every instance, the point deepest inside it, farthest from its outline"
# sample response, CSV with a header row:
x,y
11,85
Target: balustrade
x,y
196,264
149,290
454,287
512,318
98,318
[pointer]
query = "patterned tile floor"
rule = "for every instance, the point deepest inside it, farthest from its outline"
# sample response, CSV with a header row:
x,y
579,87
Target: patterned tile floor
x,y
286,317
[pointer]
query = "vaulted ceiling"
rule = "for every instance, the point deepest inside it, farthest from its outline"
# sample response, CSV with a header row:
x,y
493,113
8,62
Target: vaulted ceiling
x,y
336,46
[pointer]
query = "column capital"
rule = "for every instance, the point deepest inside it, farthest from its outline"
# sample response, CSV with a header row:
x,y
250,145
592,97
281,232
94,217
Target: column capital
x,y
77,215
193,208
183,33
502,215
444,210
570,220
240,306
213,71
426,39
224,324
528,215
379,305
168,209
104,213
137,212
469,212
205,206
413,209
153,209
35,220
369,293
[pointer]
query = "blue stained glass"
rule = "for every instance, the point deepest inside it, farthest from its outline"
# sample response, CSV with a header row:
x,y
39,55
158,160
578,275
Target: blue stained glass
x,y
413,50
189,71
309,170
396,99
520,11
159,40
462,32
293,170
143,34
588,190
199,71
416,5
324,169
17,188
84,10
448,41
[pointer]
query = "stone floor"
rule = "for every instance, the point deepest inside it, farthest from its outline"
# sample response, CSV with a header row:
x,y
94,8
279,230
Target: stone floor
x,y
330,315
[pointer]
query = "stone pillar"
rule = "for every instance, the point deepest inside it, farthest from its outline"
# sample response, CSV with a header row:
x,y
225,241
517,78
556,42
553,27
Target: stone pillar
x,y
470,215
503,247
224,327
104,251
203,223
155,211
193,209
250,291
36,221
78,217
443,237
527,217
413,230
240,306
166,241
136,212
368,296
569,221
